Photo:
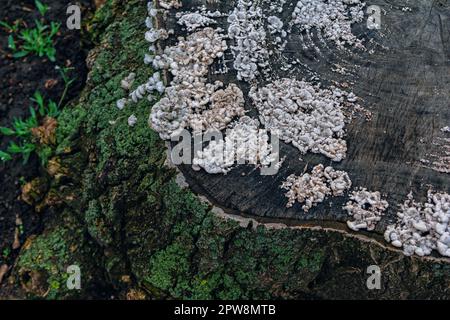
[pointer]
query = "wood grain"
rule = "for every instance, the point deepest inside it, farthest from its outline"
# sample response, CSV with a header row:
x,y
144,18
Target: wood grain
x,y
403,79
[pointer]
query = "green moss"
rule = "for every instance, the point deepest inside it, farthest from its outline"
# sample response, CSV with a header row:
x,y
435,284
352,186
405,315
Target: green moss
x,y
441,270
97,224
49,255
312,262
210,258
168,266
101,19
69,123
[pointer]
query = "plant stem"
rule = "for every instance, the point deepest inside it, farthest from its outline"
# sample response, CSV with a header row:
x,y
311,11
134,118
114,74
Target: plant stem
x,y
66,88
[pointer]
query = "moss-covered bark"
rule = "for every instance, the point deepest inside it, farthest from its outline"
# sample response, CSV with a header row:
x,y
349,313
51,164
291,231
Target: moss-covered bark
x,y
127,223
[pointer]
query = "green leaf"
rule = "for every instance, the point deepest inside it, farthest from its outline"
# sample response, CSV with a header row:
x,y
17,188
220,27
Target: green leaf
x,y
54,28
33,113
29,147
20,54
19,125
14,148
37,97
26,157
4,156
32,123
7,131
23,128
11,42
25,35
42,8
40,27
5,25
52,109
44,154
51,54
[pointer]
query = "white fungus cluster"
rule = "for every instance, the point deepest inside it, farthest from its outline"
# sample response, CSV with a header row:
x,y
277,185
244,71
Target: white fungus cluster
x,y
202,10
307,116
169,4
225,104
154,35
366,208
312,188
132,120
127,83
121,103
275,5
275,24
422,228
194,20
244,143
333,18
154,83
246,30
189,100
275,27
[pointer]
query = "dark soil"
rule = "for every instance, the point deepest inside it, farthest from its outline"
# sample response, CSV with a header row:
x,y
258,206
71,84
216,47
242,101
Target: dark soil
x,y
19,79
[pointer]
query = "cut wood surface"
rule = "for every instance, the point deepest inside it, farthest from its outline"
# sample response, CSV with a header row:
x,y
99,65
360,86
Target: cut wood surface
x,y
402,79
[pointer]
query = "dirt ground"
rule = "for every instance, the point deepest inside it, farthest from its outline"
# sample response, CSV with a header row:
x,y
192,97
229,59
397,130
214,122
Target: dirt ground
x,y
19,79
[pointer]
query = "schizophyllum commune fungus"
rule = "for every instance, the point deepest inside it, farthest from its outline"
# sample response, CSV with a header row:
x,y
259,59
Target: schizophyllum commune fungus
x,y
169,4
243,143
312,188
366,208
307,116
333,18
422,227
190,101
195,20
246,29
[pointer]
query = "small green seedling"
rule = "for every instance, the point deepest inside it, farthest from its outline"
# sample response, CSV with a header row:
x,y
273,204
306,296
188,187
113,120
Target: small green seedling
x,y
39,40
51,110
10,28
64,72
42,8
22,131
6,252
12,43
